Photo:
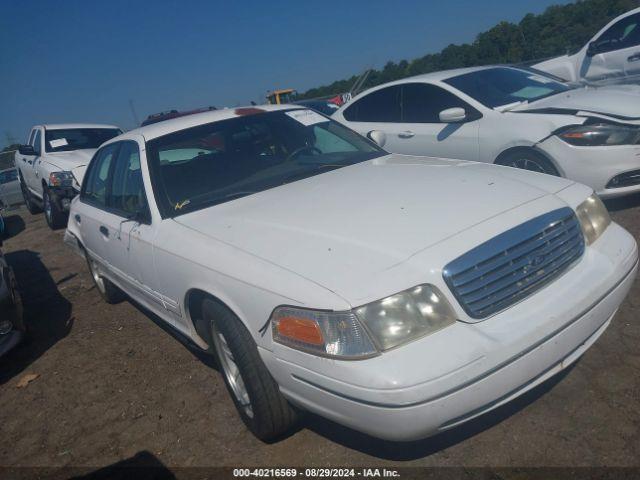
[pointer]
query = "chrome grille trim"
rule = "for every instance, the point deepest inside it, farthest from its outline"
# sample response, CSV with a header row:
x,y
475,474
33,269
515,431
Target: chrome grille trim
x,y
516,263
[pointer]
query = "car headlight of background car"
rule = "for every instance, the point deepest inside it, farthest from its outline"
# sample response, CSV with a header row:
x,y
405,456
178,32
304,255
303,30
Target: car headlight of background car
x,y
61,179
367,330
594,218
599,135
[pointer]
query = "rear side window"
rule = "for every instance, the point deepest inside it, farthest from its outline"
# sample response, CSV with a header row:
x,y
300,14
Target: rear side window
x,y
95,186
380,106
422,103
127,190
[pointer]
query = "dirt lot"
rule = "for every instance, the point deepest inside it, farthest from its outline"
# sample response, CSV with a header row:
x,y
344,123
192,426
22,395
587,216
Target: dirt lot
x,y
113,383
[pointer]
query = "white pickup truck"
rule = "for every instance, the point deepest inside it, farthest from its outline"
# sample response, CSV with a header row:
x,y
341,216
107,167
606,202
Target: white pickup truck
x,y
51,165
612,54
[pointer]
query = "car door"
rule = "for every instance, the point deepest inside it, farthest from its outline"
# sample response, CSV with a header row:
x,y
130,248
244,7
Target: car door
x,y
422,131
36,170
409,116
23,162
130,233
29,161
91,211
616,52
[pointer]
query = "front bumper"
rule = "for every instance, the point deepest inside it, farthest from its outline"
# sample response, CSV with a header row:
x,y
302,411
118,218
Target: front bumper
x,y
466,370
595,166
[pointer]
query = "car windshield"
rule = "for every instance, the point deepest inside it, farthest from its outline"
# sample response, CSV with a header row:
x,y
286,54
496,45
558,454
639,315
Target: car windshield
x,y
221,161
7,176
500,86
67,139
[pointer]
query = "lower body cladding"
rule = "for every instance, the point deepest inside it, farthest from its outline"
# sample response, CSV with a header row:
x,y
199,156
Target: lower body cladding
x,y
407,394
611,171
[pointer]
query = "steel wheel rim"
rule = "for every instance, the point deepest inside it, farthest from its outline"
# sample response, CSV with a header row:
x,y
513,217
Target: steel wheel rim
x,y
232,372
528,164
99,281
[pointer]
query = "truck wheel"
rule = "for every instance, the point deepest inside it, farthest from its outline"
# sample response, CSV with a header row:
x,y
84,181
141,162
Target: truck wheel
x,y
108,291
28,198
255,393
56,218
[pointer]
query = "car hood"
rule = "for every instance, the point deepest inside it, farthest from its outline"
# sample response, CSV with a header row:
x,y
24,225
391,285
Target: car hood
x,y
357,221
74,162
619,102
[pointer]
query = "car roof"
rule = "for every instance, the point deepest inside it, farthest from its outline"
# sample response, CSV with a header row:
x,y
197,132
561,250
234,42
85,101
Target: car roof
x,y
59,126
446,74
165,127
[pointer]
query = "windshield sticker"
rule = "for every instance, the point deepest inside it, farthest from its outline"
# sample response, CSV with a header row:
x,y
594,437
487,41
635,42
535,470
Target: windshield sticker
x,y
58,142
307,117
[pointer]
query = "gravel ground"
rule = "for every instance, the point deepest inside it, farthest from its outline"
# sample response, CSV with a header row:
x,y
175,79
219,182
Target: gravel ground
x,y
113,384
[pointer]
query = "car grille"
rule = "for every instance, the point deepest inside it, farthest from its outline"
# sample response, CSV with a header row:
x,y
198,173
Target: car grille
x,y
516,263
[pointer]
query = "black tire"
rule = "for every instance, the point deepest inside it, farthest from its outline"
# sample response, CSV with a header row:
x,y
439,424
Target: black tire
x,y
56,218
528,159
31,204
267,414
108,291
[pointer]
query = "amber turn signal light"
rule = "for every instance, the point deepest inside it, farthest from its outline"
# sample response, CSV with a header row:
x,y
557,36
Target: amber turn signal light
x,y
300,329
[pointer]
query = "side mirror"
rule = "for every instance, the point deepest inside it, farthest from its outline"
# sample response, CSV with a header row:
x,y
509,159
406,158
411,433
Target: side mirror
x,y
26,150
453,115
379,137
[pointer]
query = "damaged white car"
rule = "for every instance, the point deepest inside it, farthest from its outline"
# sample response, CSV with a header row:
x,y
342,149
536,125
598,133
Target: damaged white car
x,y
509,116
397,295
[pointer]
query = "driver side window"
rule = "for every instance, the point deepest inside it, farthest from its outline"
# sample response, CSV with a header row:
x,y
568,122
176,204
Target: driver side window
x,y
95,186
623,34
37,141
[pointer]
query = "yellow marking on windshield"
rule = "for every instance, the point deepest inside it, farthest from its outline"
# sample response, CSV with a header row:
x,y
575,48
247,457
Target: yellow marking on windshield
x,y
179,205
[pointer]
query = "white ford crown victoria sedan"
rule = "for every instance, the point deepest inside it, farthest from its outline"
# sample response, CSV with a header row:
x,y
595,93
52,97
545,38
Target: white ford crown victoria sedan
x,y
509,116
397,295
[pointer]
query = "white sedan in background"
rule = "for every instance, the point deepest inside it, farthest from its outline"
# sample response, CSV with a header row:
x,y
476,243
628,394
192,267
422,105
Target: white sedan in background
x,y
397,295
509,116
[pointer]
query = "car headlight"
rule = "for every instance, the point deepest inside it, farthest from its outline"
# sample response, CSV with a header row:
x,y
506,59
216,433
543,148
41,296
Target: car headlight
x,y
367,330
61,179
594,218
599,135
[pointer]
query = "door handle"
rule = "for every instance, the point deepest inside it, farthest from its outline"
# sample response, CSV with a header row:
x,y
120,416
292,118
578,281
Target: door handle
x,y
77,217
104,231
30,162
406,134
634,58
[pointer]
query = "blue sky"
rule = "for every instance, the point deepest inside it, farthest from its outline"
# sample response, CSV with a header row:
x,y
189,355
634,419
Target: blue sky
x,y
82,61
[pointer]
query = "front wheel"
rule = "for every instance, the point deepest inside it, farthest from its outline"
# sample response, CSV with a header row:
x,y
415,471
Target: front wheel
x,y
55,217
529,160
255,393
